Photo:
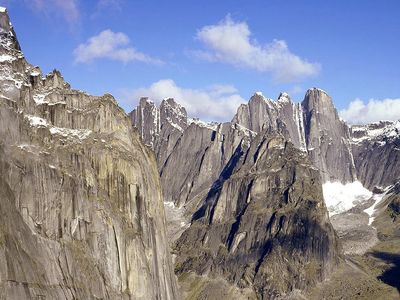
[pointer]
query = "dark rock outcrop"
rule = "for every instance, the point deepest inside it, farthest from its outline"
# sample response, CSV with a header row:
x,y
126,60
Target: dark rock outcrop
x,y
264,224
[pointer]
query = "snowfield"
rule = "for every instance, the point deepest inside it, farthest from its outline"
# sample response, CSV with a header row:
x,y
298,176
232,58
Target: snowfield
x,y
341,197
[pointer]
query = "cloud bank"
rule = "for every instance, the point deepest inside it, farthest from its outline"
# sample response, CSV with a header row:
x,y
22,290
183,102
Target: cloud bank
x,y
230,42
110,45
214,103
359,112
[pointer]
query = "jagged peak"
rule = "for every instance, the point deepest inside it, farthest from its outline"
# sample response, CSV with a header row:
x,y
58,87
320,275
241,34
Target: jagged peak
x,y
143,101
54,79
8,38
317,97
171,105
284,98
171,102
315,90
209,125
5,24
258,96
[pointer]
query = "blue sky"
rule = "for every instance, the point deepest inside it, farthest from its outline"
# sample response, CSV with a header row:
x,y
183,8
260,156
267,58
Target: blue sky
x,y
212,55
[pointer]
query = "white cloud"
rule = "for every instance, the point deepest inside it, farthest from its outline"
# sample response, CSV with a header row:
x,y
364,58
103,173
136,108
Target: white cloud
x,y
359,112
214,103
111,45
296,89
230,42
67,8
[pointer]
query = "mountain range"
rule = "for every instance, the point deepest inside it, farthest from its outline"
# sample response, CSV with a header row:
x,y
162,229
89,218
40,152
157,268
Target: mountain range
x,y
99,204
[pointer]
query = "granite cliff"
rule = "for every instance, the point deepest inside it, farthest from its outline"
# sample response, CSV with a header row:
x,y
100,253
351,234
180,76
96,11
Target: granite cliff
x,y
81,202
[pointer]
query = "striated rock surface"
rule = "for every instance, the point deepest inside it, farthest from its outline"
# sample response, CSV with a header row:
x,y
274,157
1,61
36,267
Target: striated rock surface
x,y
198,158
376,150
191,154
264,224
313,126
160,127
327,138
80,198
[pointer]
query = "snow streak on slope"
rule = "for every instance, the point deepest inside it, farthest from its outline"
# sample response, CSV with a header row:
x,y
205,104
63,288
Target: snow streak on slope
x,y
378,199
341,197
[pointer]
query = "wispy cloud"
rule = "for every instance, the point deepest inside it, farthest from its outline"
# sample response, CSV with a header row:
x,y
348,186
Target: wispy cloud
x,y
231,42
68,9
104,6
110,45
217,102
359,112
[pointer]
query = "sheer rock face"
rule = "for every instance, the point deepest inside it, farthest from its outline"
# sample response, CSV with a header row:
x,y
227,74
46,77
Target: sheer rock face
x,y
81,204
327,138
190,155
160,127
264,223
313,126
376,150
198,158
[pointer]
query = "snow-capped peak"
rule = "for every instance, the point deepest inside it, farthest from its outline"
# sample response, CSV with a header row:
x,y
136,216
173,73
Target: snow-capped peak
x,y
284,98
3,9
377,130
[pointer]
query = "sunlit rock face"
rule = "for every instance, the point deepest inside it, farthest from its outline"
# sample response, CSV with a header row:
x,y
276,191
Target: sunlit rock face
x,y
312,125
81,206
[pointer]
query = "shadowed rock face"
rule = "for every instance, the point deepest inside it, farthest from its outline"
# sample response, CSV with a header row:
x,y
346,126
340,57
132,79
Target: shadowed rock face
x,y
376,150
264,223
80,197
198,158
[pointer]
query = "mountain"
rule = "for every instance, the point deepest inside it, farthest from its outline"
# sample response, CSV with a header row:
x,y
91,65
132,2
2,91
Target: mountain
x,y
229,235
99,204
313,126
81,207
376,151
264,224
244,195
190,153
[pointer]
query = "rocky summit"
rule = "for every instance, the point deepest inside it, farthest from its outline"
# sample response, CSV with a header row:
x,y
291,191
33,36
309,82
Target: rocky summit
x,y
285,201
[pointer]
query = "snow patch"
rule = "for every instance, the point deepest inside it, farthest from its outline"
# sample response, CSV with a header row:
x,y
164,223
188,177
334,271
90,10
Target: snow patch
x,y
6,58
377,198
210,125
3,9
39,98
179,128
37,121
341,197
376,130
67,132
